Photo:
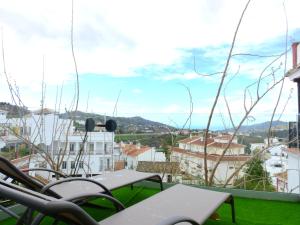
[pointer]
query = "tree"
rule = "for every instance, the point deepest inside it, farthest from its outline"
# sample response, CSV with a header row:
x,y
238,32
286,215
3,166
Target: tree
x,y
248,149
255,177
271,76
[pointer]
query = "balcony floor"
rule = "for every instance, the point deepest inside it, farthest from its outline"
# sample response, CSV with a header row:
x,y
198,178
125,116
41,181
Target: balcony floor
x,y
248,211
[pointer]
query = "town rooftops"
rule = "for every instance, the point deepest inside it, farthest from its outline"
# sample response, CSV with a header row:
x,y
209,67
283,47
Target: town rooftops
x,y
44,111
293,74
212,157
282,175
23,162
294,151
224,145
133,150
211,142
189,140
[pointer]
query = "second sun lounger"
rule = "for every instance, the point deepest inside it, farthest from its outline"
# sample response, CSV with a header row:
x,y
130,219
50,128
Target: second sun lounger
x,y
179,203
68,186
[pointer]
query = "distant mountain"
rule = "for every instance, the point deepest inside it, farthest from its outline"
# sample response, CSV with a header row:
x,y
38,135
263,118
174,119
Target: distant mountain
x,y
260,127
279,129
13,110
125,124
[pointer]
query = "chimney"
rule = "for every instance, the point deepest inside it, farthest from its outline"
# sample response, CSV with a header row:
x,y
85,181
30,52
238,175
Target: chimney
x,y
138,145
296,54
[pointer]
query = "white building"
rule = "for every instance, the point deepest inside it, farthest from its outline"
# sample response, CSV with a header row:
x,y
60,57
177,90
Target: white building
x,y
293,170
190,155
276,165
132,154
42,127
56,137
256,147
98,152
272,141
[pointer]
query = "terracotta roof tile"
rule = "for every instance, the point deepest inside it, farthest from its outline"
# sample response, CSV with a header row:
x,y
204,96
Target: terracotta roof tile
x,y
22,159
188,140
134,150
201,143
212,157
282,175
224,145
295,151
211,142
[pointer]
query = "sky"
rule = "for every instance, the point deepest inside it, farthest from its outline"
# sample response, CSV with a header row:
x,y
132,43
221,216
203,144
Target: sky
x,y
147,58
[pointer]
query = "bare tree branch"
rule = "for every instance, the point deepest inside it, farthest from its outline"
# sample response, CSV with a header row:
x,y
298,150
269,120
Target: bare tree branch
x,y
219,90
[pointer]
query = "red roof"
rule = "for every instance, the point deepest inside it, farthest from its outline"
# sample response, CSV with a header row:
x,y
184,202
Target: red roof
x,y
212,157
224,145
295,151
225,137
201,143
211,142
22,159
134,150
190,139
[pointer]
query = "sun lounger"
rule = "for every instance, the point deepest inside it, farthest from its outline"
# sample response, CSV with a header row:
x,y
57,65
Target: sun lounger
x,y
10,171
68,186
111,180
179,203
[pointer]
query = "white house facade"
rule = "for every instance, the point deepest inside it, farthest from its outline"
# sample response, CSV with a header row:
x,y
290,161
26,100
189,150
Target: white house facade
x,y
190,155
293,170
132,154
98,152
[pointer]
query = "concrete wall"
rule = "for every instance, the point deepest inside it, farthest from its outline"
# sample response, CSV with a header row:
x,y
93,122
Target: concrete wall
x,y
293,173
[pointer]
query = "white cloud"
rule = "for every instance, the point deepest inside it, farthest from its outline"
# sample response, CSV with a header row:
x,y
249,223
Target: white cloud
x,y
185,76
172,108
137,91
116,38
265,107
113,41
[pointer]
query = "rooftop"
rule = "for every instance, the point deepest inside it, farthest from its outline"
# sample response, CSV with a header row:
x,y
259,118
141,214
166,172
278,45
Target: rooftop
x,y
249,211
212,157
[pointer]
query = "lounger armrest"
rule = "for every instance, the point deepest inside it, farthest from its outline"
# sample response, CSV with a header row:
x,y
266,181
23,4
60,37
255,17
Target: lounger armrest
x,y
119,206
47,170
178,219
65,211
70,179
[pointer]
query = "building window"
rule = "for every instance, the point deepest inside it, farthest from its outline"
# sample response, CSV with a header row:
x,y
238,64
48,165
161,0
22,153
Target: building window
x,y
107,148
64,165
91,148
81,165
81,147
73,165
25,130
101,165
108,164
72,147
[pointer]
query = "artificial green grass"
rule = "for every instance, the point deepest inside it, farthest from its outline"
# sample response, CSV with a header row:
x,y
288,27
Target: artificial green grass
x,y
125,195
260,212
248,211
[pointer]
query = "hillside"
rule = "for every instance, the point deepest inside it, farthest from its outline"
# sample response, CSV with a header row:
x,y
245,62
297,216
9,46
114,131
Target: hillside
x,y
276,125
125,124
279,129
13,110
